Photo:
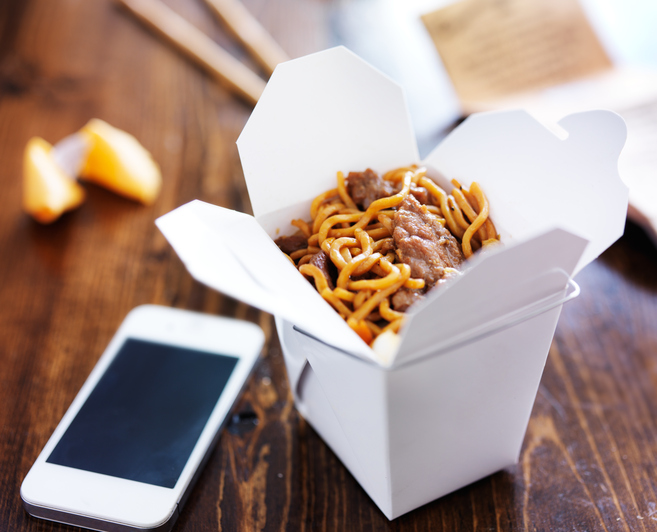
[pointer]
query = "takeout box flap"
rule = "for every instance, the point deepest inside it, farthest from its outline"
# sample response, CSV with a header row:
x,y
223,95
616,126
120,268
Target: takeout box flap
x,y
319,114
537,178
230,252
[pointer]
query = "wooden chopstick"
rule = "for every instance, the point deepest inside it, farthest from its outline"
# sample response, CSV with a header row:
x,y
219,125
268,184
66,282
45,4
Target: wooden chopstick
x,y
198,46
250,32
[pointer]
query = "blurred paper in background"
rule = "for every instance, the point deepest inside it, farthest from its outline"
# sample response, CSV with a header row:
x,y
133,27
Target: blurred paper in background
x,y
492,49
544,56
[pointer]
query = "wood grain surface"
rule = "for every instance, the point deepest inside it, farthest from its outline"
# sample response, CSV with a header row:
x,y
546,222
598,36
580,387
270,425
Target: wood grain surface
x,y
589,458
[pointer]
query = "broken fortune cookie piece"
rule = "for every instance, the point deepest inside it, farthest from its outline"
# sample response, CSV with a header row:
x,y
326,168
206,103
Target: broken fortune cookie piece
x,y
48,191
117,161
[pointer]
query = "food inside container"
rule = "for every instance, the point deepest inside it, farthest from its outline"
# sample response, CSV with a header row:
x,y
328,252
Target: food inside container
x,y
318,115
377,244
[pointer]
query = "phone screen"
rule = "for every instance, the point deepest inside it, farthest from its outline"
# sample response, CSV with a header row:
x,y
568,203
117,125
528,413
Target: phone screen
x,y
146,413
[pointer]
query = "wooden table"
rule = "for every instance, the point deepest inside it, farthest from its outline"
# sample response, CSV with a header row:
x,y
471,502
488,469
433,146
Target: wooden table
x,y
589,458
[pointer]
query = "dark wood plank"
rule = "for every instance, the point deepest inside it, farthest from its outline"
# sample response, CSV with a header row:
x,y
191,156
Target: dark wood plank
x,y
588,462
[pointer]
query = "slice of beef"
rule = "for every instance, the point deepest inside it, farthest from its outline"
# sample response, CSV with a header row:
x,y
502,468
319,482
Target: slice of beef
x,y
423,243
290,244
405,297
322,261
421,194
366,187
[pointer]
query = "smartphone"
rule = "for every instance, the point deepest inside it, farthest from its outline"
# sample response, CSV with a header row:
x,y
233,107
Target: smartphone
x,y
127,452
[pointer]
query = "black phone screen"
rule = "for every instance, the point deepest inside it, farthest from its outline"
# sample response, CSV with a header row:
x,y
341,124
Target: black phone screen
x,y
145,415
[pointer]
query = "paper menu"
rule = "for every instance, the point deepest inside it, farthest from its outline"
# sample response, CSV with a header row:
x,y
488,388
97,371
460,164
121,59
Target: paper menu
x,y
543,56
492,49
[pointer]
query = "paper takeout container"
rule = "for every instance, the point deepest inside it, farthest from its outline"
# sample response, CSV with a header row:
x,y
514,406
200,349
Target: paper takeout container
x,y
452,404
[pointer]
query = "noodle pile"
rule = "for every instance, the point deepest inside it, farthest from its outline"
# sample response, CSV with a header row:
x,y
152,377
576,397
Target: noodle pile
x,y
360,246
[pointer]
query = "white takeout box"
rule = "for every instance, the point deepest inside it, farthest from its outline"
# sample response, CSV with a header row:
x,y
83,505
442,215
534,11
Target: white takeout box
x,y
452,404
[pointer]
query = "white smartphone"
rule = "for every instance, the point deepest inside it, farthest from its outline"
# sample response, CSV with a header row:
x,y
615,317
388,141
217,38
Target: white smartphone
x,y
128,450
